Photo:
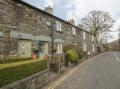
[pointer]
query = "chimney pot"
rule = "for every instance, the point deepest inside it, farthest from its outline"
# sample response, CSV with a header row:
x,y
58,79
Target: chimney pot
x,y
71,21
49,9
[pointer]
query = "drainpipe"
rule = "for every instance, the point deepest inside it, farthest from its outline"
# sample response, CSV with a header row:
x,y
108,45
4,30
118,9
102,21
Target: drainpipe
x,y
52,37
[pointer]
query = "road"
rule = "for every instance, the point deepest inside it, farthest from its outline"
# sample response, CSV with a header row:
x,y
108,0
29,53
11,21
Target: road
x,y
100,72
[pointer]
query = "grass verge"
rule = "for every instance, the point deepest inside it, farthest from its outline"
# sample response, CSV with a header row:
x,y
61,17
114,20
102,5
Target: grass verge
x,y
14,60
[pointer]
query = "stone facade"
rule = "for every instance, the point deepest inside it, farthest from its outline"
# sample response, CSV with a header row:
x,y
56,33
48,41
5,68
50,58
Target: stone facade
x,y
21,21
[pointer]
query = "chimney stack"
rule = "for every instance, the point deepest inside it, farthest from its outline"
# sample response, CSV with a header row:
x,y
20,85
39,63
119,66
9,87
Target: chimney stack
x,y
71,21
49,9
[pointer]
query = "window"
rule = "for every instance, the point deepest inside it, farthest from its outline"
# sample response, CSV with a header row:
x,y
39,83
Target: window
x,y
84,35
73,31
58,26
84,46
93,38
44,22
89,53
59,48
93,47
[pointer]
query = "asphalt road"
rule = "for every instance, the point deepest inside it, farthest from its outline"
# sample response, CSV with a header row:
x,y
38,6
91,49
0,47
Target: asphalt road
x,y
100,72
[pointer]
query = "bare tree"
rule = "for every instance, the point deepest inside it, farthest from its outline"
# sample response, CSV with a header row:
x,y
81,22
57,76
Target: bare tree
x,y
97,22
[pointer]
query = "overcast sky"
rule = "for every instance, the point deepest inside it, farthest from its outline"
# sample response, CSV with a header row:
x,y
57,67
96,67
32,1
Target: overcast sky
x,y
77,9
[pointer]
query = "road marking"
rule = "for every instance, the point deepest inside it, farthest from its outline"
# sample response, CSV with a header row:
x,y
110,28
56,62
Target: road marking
x,y
117,57
71,72
63,78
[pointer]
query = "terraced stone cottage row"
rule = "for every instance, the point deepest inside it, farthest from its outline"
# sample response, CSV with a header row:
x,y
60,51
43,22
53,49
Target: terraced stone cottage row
x,y
25,29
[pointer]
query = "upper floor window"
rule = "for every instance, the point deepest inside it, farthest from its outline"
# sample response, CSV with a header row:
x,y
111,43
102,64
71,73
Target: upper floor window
x,y
73,31
84,46
84,35
48,23
58,26
93,38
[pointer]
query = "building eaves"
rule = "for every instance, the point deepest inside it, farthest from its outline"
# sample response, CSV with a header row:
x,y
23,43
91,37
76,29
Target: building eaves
x,y
53,16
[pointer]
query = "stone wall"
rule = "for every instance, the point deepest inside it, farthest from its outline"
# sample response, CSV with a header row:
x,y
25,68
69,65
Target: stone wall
x,y
37,24
36,81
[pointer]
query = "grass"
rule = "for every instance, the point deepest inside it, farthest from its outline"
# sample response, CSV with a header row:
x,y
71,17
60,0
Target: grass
x,y
3,66
15,60
10,73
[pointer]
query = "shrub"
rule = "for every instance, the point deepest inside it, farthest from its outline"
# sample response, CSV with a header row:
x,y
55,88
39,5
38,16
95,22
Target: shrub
x,y
77,48
72,56
12,74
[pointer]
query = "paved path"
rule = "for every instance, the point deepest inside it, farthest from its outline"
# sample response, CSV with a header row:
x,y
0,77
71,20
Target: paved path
x,y
100,72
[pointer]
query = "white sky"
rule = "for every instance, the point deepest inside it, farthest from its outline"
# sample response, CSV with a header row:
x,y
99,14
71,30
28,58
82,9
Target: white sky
x,y
80,8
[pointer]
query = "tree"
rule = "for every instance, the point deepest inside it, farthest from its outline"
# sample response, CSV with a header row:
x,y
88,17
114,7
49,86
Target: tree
x,y
97,22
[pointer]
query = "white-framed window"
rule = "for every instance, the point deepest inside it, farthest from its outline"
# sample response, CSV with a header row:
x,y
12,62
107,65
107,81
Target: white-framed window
x,y
84,35
59,47
58,26
93,47
93,38
73,31
84,47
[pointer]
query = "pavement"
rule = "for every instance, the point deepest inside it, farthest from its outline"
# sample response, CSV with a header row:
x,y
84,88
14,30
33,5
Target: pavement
x,y
99,72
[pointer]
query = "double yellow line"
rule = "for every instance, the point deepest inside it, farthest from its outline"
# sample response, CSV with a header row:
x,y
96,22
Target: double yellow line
x,y
70,73
63,78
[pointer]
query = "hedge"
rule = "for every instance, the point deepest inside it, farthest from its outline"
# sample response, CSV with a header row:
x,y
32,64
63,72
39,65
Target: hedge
x,y
11,74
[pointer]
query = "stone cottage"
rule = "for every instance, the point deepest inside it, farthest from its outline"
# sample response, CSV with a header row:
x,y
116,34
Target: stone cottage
x,y
25,29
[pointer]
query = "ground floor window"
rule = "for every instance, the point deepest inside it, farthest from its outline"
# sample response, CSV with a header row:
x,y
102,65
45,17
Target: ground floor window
x,y
93,47
84,47
89,53
59,47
